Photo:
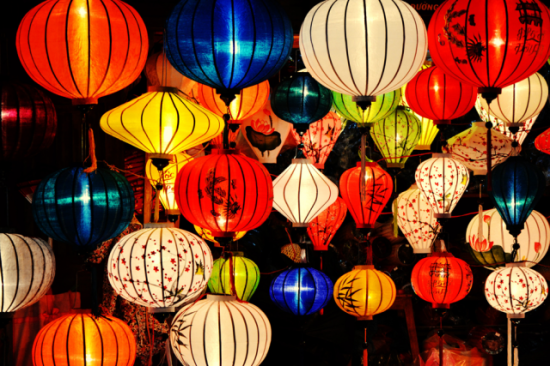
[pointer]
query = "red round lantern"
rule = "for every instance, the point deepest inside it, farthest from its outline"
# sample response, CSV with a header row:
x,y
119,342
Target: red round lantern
x,y
542,142
323,227
490,44
224,192
82,50
441,279
378,188
437,96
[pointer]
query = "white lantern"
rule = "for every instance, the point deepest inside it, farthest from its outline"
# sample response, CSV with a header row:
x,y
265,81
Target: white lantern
x,y
416,219
470,148
220,331
302,192
515,290
363,48
443,181
534,239
160,267
160,72
27,270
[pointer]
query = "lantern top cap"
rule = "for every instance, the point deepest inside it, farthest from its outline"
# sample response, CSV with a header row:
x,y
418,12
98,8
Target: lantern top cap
x,y
162,89
371,164
236,254
220,297
159,225
363,266
516,264
302,161
441,155
479,124
225,152
442,254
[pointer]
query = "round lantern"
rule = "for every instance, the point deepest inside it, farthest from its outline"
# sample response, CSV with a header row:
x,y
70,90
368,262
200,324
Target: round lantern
x,y
517,188
470,148
160,72
344,45
84,339
225,193
396,136
438,96
28,270
441,279
228,45
28,121
491,243
323,227
379,109
301,100
82,51
515,290
443,181
364,292
470,43
542,142
416,219
245,274
207,234
160,267
378,187
83,209
235,331
301,290
302,192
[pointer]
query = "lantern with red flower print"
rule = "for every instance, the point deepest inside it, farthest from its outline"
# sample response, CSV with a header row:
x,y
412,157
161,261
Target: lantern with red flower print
x,y
322,228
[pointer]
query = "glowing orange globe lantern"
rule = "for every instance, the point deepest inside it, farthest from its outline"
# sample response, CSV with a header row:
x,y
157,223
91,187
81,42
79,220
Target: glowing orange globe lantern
x,y
322,228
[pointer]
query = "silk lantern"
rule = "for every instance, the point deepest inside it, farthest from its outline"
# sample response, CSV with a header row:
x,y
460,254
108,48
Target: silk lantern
x,y
429,128
82,50
236,331
301,192
244,273
160,267
83,209
28,270
159,72
84,339
491,243
542,142
379,109
322,228
207,234
441,279
443,181
27,119
396,136
364,292
344,45
378,186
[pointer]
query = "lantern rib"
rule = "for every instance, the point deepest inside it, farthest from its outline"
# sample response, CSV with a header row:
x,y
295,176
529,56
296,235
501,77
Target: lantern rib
x,y
289,215
472,69
376,311
487,48
487,35
262,316
283,286
69,63
213,41
374,90
233,331
100,339
416,53
307,217
251,58
367,291
16,257
122,124
313,279
145,269
204,333
227,205
447,281
347,48
37,293
257,333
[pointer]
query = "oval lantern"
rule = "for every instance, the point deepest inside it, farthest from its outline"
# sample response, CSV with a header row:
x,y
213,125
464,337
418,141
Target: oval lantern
x,y
160,267
344,45
82,51
441,279
207,235
83,209
492,243
378,190
28,270
322,228
301,290
245,274
364,292
542,142
236,331
443,181
159,72
27,119
84,339
225,193
379,109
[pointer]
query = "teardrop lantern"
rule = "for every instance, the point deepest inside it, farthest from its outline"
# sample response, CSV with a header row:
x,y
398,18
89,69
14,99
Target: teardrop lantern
x,y
234,266
379,109
323,227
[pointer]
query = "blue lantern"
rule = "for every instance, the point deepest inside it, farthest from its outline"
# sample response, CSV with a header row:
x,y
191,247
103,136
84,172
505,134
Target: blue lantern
x,y
83,209
228,44
301,290
517,188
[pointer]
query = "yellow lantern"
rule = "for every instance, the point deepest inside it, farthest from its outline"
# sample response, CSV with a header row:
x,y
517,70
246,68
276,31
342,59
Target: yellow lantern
x,y
207,235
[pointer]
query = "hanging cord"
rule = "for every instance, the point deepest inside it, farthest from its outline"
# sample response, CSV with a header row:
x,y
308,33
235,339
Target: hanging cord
x,y
489,126
365,131
515,248
365,350
91,153
480,212
229,257
84,135
515,343
440,333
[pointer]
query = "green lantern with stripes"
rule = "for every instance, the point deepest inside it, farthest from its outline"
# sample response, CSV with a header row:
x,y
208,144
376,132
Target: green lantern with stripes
x,y
380,109
246,276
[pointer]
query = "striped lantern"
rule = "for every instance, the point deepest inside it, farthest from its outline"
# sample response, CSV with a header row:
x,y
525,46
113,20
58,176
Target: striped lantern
x,y
323,228
27,270
246,276
380,109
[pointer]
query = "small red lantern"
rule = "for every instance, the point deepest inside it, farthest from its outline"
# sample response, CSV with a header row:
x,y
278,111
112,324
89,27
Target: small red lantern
x,y
441,279
378,186
323,227
224,192
542,142
440,97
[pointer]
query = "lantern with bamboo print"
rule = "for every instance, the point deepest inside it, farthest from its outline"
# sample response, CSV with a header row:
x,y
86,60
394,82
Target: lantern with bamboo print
x,y
323,227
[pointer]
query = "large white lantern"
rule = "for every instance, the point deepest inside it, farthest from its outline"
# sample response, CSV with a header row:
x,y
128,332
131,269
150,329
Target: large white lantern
x,y
363,48
515,290
443,181
27,270
160,267
220,331
302,192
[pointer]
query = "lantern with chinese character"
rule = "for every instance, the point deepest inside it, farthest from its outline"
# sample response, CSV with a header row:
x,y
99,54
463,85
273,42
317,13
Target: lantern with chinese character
x,y
322,229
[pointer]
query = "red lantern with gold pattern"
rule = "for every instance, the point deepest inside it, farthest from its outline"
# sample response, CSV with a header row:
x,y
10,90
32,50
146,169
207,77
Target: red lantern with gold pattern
x,y
322,228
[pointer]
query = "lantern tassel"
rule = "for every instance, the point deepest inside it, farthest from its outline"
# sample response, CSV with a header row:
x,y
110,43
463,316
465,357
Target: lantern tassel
x,y
489,126
91,147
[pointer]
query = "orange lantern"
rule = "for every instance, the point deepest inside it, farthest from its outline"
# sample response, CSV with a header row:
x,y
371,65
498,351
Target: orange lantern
x,y
82,49
323,227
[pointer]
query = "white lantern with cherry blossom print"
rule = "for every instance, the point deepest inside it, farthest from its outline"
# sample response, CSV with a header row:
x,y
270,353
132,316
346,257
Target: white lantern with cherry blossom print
x,y
160,267
443,181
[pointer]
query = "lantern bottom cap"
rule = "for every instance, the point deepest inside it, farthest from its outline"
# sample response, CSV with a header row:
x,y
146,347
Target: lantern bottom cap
x,y
441,306
158,225
320,248
422,250
516,264
84,101
161,156
299,224
363,266
442,215
516,316
169,309
172,212
423,147
395,165
480,171
368,317
515,124
442,122
162,89
319,165
223,234
364,226
219,297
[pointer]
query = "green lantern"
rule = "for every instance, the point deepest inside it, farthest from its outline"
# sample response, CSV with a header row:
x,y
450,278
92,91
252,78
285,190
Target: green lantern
x,y
396,136
380,109
245,272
